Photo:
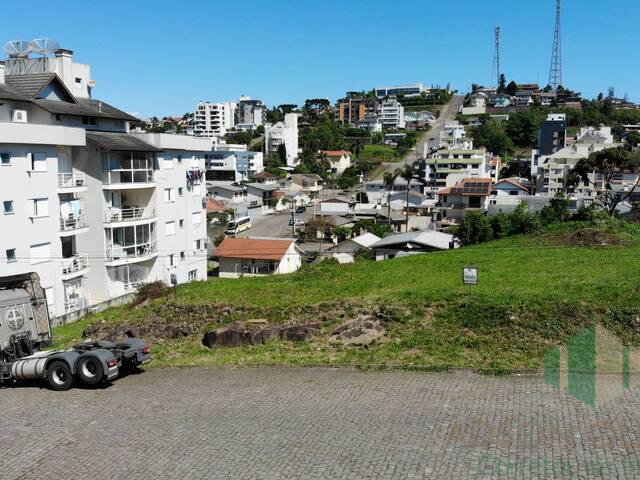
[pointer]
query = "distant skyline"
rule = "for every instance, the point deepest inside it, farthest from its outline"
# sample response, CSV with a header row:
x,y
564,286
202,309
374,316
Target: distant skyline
x,y
161,57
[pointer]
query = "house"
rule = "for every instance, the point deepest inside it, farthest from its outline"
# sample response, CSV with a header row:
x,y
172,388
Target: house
x,y
261,194
339,160
371,123
239,257
265,177
92,209
352,245
215,206
309,183
457,200
229,193
509,186
412,243
337,205
377,191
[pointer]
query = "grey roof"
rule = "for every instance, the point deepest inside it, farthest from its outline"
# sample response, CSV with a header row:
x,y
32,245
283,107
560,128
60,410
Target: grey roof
x,y
7,92
427,238
262,186
224,186
120,142
86,107
30,84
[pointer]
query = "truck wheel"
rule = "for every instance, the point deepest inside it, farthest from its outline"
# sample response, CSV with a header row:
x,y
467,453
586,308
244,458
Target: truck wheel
x,y
89,370
59,375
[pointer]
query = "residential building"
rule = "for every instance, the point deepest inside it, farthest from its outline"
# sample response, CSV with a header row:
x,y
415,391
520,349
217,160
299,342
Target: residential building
x,y
250,113
408,90
82,197
261,194
352,245
469,194
510,187
339,160
447,167
553,170
229,163
283,133
477,105
340,205
265,177
308,183
412,243
354,108
213,119
377,191
452,136
231,194
240,257
391,114
551,138
371,123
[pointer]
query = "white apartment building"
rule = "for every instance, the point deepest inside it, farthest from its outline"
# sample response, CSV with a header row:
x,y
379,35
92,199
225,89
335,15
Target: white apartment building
x,y
81,198
391,114
553,170
283,133
452,136
448,167
250,113
232,163
213,119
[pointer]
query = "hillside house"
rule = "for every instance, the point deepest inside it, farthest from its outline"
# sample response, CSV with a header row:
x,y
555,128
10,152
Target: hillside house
x,y
239,257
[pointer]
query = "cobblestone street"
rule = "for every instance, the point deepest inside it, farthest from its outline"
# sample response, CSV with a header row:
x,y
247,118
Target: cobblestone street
x,y
316,423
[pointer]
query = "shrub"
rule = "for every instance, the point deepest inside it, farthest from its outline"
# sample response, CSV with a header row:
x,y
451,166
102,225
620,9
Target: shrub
x,y
151,291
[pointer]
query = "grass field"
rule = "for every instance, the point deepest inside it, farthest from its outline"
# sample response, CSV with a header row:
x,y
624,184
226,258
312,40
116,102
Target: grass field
x,y
378,153
534,293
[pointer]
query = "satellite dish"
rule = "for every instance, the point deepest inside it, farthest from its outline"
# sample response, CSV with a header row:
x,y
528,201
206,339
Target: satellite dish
x,y
17,48
43,46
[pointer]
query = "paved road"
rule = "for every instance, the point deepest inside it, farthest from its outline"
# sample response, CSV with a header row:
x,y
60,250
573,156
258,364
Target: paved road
x,y
207,423
448,112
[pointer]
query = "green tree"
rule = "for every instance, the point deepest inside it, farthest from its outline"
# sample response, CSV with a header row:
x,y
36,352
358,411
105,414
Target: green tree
x,y
475,228
523,221
492,136
512,88
599,171
556,211
500,225
522,127
502,83
282,153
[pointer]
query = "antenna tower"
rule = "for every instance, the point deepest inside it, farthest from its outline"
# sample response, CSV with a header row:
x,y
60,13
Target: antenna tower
x,y
555,72
496,60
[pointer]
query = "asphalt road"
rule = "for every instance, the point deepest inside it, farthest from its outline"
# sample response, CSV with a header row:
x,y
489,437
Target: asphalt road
x,y
208,423
448,112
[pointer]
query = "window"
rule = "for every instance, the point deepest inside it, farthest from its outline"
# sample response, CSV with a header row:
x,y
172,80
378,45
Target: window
x,y
89,121
11,255
171,260
193,275
78,82
7,207
39,207
169,195
40,253
196,218
58,117
182,256
180,191
5,159
181,223
170,228
37,161
198,243
179,158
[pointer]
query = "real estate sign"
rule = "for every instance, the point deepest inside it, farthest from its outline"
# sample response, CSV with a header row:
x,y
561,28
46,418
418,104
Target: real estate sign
x,y
470,276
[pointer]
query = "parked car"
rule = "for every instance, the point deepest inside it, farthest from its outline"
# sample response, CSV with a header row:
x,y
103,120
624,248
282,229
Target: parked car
x,y
295,221
301,209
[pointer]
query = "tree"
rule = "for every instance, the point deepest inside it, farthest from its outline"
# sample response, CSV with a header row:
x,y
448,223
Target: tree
x,y
282,153
522,127
599,170
556,211
502,83
500,225
523,221
475,228
388,180
512,88
407,174
492,136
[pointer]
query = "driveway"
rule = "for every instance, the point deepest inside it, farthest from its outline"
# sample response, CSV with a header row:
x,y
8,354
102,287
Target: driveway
x,y
208,423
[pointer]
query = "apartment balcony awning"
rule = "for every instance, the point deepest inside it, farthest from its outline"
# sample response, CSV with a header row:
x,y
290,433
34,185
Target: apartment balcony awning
x,y
120,142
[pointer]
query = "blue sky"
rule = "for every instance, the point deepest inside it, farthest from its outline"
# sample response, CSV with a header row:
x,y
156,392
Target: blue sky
x,y
161,57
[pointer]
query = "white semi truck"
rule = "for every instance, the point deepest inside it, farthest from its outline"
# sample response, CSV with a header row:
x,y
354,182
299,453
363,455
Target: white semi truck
x,y
25,330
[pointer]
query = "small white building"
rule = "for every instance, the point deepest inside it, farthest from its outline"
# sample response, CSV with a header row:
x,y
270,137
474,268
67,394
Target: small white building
x,y
352,245
412,243
391,114
283,133
252,257
339,160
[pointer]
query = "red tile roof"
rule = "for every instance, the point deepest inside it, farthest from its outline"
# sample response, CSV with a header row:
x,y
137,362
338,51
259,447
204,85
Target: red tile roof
x,y
513,182
264,175
335,153
252,248
215,206
469,187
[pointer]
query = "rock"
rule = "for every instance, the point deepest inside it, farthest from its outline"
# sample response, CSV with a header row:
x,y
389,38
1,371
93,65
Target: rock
x,y
246,333
361,331
296,332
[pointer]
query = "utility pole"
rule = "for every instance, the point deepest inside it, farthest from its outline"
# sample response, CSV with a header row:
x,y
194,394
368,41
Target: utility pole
x,y
555,71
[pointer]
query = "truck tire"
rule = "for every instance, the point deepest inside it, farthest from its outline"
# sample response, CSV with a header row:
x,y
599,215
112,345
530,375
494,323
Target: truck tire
x,y
90,371
59,375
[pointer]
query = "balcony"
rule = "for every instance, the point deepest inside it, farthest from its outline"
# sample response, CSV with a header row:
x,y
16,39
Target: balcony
x,y
122,255
73,224
71,182
133,214
74,266
124,179
40,134
75,304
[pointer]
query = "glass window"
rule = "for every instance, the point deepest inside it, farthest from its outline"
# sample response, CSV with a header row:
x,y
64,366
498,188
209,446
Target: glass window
x,y
11,255
170,228
196,218
39,207
7,207
5,159
37,161
40,253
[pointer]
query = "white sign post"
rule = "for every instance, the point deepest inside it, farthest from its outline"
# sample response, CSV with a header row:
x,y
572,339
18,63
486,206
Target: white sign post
x,y
470,276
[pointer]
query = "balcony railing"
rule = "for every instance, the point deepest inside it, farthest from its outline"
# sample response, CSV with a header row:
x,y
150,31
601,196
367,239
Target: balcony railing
x,y
121,252
121,176
75,264
71,180
129,214
70,223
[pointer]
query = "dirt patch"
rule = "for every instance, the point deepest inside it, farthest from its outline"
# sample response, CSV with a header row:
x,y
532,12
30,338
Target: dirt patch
x,y
586,237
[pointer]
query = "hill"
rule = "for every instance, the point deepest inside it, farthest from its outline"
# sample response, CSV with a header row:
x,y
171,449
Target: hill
x,y
534,293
